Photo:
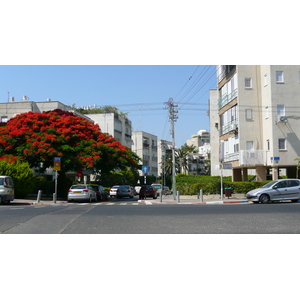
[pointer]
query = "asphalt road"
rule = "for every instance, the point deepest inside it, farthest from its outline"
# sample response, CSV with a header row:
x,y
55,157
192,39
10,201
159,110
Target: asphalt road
x,y
130,217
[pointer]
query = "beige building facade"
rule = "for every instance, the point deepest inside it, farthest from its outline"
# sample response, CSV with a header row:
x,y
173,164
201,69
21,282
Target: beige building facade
x,y
116,125
145,146
254,121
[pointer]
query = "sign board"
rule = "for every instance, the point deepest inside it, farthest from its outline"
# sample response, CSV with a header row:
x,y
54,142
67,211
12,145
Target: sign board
x,y
57,164
275,159
145,169
227,166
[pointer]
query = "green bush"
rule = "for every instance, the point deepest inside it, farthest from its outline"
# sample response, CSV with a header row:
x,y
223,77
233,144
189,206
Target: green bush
x,y
22,176
192,184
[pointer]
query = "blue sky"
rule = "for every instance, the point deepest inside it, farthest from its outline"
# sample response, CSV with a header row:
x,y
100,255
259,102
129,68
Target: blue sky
x,y
139,90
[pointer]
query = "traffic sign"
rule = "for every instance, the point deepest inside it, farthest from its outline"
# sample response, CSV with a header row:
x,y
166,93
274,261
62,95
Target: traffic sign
x,y
57,164
276,159
145,169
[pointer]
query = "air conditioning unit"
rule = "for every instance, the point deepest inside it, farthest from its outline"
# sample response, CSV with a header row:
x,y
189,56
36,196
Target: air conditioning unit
x,y
282,119
233,127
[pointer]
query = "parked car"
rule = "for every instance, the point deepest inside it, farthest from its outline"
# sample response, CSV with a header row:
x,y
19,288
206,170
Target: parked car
x,y
125,191
148,191
7,192
82,192
282,189
113,191
158,187
166,190
101,193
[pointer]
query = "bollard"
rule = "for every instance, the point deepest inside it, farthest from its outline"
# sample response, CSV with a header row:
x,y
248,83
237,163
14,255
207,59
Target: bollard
x,y
178,197
201,195
39,196
54,198
160,197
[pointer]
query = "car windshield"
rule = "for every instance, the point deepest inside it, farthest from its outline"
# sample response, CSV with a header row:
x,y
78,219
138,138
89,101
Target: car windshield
x,y
270,184
78,187
157,186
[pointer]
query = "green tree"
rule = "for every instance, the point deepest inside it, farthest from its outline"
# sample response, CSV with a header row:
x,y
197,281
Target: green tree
x,y
22,176
39,137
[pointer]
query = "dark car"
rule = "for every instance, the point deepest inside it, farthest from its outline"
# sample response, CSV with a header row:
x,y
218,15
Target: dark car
x,y
102,194
147,191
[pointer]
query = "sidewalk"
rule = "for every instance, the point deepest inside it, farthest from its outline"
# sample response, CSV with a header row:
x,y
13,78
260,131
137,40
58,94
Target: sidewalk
x,y
193,199
169,199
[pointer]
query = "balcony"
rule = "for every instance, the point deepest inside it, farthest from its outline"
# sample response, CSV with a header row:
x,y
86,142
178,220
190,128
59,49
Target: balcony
x,y
227,98
231,156
231,126
253,157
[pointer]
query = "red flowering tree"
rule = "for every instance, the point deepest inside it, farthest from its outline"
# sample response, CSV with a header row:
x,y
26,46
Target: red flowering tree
x,y
39,137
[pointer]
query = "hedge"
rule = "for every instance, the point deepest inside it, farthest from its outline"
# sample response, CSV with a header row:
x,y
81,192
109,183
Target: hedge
x,y
192,184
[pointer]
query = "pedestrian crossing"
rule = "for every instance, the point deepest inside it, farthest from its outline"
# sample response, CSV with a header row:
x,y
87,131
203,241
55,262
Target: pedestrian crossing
x,y
114,203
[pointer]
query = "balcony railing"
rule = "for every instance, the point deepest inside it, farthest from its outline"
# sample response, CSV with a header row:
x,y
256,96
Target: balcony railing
x,y
227,98
253,157
231,126
231,156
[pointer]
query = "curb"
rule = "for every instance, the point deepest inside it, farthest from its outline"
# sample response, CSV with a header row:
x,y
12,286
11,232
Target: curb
x,y
197,203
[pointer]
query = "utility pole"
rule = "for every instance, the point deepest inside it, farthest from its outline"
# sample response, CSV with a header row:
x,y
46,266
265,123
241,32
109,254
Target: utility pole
x,y
173,118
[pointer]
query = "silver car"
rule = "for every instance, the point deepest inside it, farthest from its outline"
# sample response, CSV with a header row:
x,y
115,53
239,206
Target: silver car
x,y
82,192
282,189
6,189
125,191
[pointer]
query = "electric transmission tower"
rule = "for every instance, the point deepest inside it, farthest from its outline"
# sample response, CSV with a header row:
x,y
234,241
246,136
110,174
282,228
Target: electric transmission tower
x,y
173,118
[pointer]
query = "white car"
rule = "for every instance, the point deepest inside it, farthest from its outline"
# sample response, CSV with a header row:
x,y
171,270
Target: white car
x,y
158,187
282,189
7,192
82,192
113,191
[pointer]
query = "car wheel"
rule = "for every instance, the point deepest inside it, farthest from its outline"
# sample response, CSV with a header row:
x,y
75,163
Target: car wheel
x,y
294,201
1,202
264,198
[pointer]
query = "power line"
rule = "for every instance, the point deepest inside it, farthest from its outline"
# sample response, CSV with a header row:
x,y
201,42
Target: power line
x,y
187,82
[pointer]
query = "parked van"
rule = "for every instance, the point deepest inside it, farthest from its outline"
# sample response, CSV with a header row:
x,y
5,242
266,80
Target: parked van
x,y
7,192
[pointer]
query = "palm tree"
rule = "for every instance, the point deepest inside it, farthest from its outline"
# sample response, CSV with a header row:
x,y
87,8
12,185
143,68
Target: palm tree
x,y
182,155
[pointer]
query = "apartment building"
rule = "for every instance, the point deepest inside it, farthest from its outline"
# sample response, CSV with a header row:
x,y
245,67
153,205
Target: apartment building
x,y
117,125
254,121
202,137
12,108
145,146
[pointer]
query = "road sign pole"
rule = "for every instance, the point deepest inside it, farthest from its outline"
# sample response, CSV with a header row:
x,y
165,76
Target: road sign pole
x,y
55,191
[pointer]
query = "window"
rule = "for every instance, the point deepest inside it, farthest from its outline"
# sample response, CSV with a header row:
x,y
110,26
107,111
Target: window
x,y
249,145
265,79
282,144
236,148
249,114
248,83
4,119
266,112
279,76
280,110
